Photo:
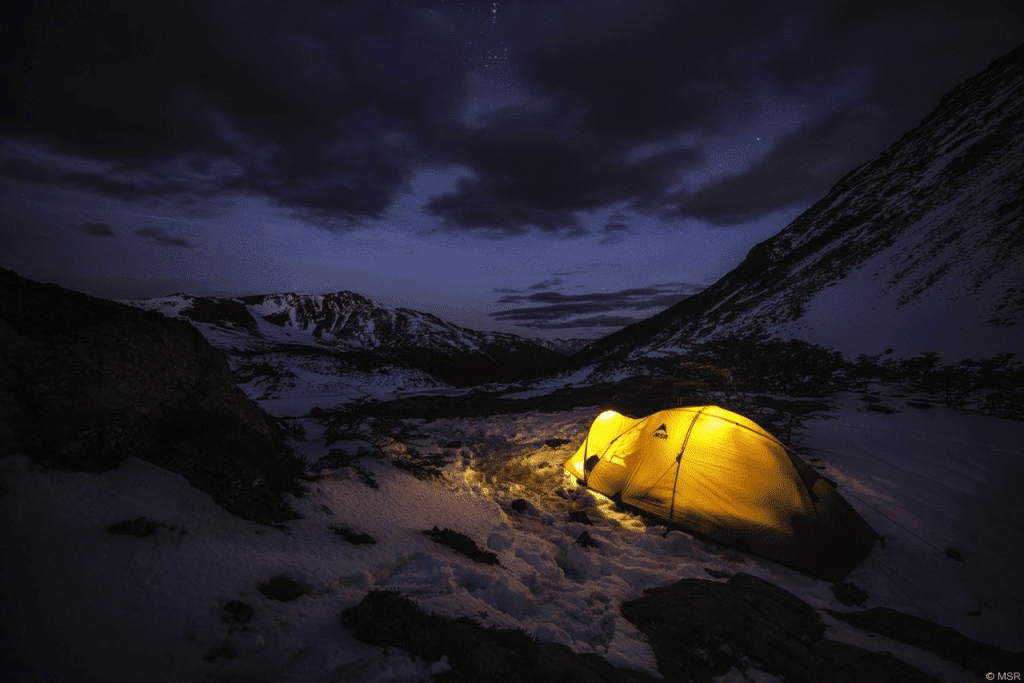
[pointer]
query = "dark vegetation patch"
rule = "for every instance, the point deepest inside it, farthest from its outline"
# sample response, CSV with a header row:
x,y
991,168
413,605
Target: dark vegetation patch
x,y
353,537
423,466
461,543
991,386
338,458
474,652
282,589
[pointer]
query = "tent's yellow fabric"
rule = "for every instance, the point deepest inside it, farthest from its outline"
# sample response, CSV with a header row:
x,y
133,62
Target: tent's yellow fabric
x,y
720,476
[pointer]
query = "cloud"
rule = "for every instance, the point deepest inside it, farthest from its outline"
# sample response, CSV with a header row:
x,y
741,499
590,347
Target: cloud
x,y
552,310
328,110
303,104
544,284
612,322
801,168
96,229
531,172
613,231
160,236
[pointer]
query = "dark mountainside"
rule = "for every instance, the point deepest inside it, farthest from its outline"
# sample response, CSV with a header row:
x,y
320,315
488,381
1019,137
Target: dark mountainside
x,y
86,382
943,205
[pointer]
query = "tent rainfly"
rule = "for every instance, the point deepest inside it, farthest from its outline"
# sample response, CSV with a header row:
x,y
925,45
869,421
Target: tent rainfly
x,y
718,475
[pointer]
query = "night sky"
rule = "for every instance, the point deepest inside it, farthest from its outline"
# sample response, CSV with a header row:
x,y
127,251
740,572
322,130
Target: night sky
x,y
553,169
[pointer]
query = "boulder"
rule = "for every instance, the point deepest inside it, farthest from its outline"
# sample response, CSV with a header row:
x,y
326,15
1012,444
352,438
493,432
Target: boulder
x,y
87,382
700,629
474,652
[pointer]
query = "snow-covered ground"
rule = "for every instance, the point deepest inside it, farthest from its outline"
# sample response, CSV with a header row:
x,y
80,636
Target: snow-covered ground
x,y
95,606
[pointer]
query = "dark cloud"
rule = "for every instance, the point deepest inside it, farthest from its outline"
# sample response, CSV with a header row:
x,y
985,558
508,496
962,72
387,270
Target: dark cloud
x,y
544,284
330,109
613,231
801,168
612,322
160,236
552,310
123,183
311,105
529,174
643,70
96,229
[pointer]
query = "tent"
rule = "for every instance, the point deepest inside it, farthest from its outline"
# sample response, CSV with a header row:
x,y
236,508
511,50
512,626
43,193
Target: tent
x,y
720,476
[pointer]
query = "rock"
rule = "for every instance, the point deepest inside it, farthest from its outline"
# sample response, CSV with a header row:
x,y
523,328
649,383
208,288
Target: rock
x,y
849,593
942,640
238,612
580,516
585,541
282,589
139,528
474,652
700,629
86,382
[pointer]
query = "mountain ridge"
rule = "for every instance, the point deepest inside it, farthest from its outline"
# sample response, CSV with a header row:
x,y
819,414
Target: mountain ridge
x,y
271,339
936,221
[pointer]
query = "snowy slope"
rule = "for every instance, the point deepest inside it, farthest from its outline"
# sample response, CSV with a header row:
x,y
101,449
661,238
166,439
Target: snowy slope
x,y
129,609
920,249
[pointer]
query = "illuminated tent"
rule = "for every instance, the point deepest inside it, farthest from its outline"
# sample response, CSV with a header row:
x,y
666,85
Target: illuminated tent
x,y
721,477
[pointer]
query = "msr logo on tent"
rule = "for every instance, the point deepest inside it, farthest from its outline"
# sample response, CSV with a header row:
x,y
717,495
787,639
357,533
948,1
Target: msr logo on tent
x,y
661,432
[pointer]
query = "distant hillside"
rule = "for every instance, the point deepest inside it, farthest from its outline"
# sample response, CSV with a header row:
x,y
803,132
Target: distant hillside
x,y
920,249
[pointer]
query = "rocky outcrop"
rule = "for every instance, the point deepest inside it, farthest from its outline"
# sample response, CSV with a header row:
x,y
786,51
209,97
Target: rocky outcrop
x,y
951,645
700,629
85,383
473,652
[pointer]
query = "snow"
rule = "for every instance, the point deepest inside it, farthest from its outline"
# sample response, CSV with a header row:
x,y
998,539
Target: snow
x,y
875,307
127,609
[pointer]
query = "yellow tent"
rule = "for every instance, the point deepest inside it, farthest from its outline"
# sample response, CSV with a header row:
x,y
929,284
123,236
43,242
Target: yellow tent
x,y
721,477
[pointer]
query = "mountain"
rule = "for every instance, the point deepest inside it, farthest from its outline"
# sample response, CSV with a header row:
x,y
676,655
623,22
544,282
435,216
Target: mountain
x,y
920,249
565,347
347,342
